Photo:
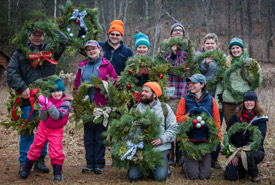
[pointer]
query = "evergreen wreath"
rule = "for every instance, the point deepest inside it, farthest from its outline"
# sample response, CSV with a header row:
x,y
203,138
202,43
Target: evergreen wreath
x,y
135,127
21,40
198,151
13,105
128,79
84,110
185,45
256,137
80,25
218,57
250,72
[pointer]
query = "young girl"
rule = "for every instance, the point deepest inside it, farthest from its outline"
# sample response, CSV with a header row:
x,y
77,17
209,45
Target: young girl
x,y
54,116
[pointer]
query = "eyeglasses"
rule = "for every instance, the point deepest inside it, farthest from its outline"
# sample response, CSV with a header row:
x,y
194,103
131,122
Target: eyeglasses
x,y
115,34
92,49
177,30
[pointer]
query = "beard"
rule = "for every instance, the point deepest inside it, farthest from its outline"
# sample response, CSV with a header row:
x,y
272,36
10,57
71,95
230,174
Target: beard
x,y
146,101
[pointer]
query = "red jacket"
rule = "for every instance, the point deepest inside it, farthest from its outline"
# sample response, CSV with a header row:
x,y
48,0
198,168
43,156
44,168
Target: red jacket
x,y
105,68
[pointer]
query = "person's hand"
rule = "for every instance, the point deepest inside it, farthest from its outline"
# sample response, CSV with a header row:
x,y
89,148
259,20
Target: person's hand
x,y
174,49
44,102
156,142
208,60
234,161
219,98
26,93
143,70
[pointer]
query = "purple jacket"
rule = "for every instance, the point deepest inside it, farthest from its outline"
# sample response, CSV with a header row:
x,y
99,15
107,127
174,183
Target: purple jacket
x,y
105,68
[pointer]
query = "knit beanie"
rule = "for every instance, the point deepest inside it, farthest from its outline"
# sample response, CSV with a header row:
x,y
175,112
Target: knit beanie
x,y
175,25
250,95
116,25
236,41
155,88
60,85
142,39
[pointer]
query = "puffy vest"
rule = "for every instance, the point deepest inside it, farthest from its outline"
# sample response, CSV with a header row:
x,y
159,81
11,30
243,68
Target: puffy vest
x,y
196,107
54,124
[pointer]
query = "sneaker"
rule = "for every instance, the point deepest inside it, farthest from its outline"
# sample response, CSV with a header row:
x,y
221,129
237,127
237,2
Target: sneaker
x,y
98,170
40,166
87,170
215,164
57,178
256,179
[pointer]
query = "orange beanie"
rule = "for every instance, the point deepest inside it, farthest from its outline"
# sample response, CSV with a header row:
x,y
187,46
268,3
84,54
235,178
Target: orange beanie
x,y
155,87
116,25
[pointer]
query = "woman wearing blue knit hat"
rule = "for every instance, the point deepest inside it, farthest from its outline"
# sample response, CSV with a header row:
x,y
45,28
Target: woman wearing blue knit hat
x,y
242,74
142,45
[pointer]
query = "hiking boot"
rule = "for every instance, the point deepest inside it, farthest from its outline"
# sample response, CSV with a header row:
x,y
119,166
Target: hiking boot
x,y
98,170
256,179
87,170
21,167
26,168
40,166
57,172
215,164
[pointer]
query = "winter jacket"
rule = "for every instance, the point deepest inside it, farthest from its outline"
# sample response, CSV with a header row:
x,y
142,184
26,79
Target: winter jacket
x,y
169,135
241,79
20,73
105,69
243,138
57,115
117,57
190,105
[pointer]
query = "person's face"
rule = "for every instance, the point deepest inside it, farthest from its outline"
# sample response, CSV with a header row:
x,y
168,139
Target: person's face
x,y
115,37
236,51
147,95
177,32
196,87
36,38
142,50
210,44
57,94
93,52
249,105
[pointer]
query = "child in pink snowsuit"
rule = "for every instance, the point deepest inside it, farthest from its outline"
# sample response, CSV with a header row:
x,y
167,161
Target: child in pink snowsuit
x,y
54,116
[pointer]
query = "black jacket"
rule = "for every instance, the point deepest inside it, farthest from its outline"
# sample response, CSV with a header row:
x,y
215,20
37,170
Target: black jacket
x,y
20,73
241,139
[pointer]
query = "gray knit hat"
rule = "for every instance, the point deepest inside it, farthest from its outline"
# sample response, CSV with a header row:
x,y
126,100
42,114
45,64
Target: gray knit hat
x,y
175,25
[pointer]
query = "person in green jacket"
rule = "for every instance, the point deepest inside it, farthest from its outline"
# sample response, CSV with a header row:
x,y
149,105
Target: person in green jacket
x,y
243,74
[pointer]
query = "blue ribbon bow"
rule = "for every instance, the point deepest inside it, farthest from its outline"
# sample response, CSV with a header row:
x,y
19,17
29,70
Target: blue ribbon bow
x,y
132,149
80,16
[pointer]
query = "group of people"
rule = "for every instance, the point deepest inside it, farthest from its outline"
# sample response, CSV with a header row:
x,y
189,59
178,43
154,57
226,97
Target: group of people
x,y
190,96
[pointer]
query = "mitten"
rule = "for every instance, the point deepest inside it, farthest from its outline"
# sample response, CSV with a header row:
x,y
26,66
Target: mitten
x,y
44,102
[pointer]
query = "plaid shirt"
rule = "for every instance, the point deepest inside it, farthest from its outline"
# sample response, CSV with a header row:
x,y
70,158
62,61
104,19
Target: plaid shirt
x,y
180,84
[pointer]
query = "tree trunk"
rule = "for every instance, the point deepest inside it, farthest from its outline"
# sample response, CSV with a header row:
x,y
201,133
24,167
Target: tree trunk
x,y
104,35
125,16
228,22
114,9
9,13
250,28
241,18
96,4
259,10
205,4
157,30
54,13
120,10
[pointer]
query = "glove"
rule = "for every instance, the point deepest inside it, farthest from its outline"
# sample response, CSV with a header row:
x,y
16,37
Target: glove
x,y
219,98
44,102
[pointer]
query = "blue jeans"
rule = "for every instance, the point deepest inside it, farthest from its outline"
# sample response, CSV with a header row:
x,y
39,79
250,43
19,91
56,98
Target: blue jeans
x,y
26,140
159,174
94,147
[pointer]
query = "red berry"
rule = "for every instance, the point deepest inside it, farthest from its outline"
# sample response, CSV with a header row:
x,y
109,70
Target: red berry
x,y
195,121
77,21
128,86
130,71
160,76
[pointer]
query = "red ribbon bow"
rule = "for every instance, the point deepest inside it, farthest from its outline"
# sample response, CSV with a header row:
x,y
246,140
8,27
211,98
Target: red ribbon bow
x,y
137,96
15,117
41,55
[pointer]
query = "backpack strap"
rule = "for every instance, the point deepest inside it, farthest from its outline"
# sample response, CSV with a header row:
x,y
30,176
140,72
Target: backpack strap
x,y
165,112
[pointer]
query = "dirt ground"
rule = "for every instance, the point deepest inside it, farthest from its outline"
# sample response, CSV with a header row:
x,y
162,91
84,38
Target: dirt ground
x,y
75,155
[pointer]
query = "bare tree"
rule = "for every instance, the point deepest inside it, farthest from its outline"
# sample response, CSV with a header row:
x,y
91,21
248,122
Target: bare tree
x,y
205,4
104,35
259,10
114,8
250,28
228,21
54,13
241,18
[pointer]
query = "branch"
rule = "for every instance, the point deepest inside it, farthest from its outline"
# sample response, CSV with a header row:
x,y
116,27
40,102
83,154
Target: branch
x,y
172,17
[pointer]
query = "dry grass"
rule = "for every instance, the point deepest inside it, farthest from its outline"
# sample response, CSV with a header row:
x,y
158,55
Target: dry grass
x,y
75,153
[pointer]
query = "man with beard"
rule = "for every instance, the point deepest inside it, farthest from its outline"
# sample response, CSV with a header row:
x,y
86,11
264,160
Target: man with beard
x,y
114,49
149,98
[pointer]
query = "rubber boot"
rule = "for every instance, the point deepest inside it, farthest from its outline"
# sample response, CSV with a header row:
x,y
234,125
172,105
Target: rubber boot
x,y
57,172
40,166
24,173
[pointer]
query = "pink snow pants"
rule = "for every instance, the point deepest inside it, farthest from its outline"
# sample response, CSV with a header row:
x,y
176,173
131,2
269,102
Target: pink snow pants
x,y
54,137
